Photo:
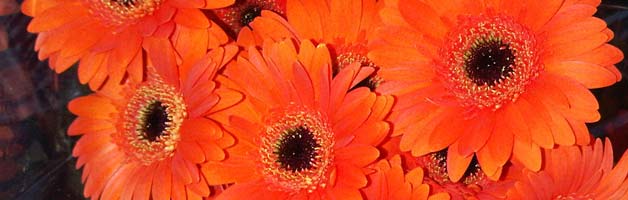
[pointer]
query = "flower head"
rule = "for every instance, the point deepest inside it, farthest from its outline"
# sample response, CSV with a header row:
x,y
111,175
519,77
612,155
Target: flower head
x,y
573,172
147,139
473,183
111,37
304,134
494,79
239,16
391,182
346,27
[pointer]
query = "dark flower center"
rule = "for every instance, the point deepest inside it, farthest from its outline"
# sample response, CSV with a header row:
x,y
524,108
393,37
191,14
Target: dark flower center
x,y
116,13
126,3
489,61
370,82
249,14
155,121
437,169
151,121
296,150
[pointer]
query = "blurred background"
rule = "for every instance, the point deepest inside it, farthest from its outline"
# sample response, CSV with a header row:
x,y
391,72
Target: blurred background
x,y
35,152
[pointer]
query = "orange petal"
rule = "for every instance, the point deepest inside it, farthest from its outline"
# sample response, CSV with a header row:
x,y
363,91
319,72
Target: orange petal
x,y
191,151
57,16
579,29
212,151
89,33
89,66
178,189
529,154
82,125
447,131
200,129
136,68
249,189
36,7
538,13
180,169
127,192
101,173
576,47
539,130
92,106
118,182
192,18
213,4
308,27
457,164
589,74
580,131
343,192
272,27
191,45
189,3
142,190
350,175
217,36
605,55
346,15
423,18
162,183
580,98
199,188
358,155
228,98
162,55
101,75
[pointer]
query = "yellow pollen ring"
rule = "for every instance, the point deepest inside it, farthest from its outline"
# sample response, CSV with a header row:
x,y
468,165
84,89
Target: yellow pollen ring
x,y
133,138
352,53
472,32
120,12
307,179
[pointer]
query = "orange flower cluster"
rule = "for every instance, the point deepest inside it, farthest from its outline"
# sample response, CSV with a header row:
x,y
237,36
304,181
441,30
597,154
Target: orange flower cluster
x,y
335,99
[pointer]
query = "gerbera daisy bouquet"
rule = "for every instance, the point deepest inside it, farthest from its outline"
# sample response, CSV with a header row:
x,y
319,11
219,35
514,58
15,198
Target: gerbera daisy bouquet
x,y
336,99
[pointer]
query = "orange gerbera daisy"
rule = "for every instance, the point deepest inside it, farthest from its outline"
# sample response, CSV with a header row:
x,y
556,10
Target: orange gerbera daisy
x,y
389,182
573,172
473,184
345,26
148,139
237,17
305,135
108,35
493,79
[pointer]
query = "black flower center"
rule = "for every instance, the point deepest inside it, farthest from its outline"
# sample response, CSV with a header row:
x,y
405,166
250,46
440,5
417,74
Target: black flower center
x,y
489,61
296,150
249,14
126,3
473,171
370,82
155,121
438,169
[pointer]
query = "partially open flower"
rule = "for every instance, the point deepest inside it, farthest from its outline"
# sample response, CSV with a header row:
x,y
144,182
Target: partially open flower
x,y
346,27
238,17
391,181
574,172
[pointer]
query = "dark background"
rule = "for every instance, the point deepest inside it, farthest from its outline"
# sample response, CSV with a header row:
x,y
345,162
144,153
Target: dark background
x,y
35,153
